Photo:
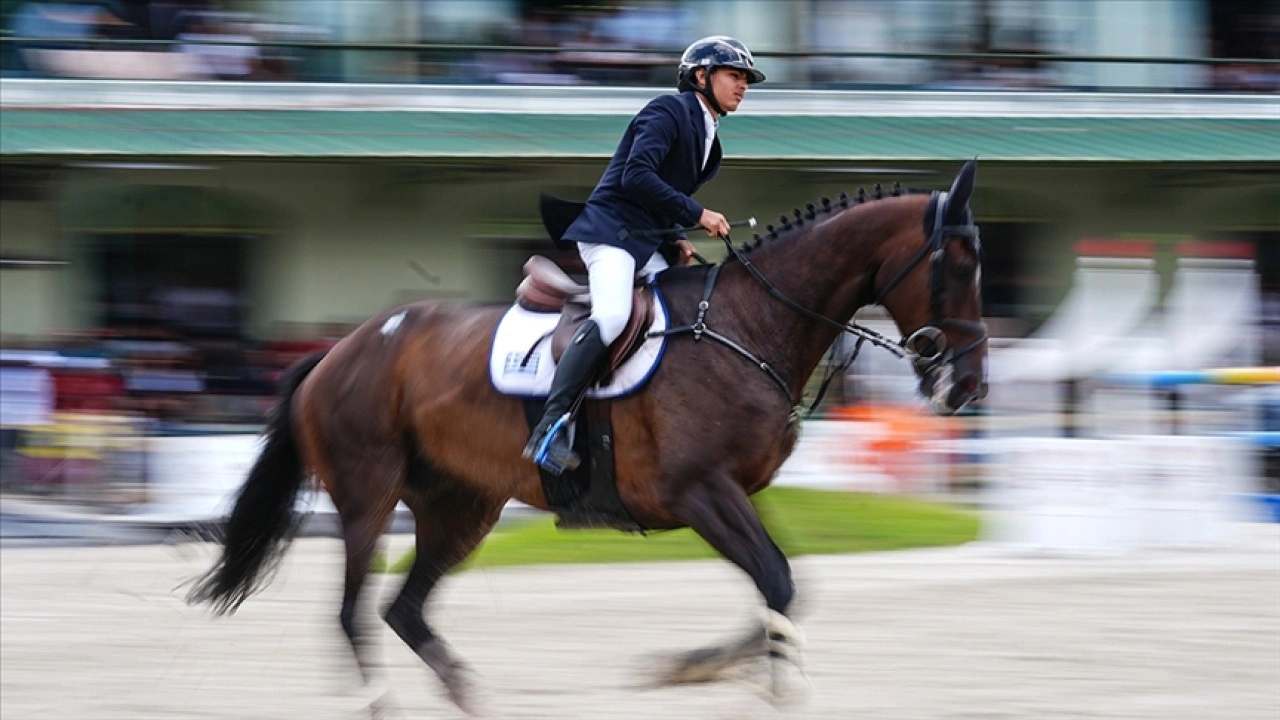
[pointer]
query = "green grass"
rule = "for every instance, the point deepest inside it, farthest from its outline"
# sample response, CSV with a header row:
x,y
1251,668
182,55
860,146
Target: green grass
x,y
802,522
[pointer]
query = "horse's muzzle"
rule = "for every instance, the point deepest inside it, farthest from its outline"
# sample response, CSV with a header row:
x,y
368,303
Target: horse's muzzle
x,y
946,395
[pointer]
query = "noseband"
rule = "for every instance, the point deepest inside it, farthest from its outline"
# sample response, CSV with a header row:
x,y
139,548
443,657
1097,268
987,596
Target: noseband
x,y
931,360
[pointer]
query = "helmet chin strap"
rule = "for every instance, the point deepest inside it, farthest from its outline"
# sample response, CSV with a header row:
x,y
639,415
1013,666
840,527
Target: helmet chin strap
x,y
705,89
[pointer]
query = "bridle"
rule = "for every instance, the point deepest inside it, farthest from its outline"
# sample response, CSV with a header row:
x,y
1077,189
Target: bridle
x,y
925,347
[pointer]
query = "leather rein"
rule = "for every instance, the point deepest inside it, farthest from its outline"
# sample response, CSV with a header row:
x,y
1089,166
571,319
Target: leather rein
x,y
925,347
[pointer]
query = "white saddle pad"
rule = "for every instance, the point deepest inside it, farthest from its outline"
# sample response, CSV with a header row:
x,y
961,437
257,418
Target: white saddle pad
x,y
520,363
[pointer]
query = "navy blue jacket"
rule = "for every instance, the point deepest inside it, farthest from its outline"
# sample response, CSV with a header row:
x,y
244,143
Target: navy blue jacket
x,y
657,166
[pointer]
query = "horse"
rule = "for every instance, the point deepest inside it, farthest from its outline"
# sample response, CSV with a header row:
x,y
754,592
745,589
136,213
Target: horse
x,y
403,409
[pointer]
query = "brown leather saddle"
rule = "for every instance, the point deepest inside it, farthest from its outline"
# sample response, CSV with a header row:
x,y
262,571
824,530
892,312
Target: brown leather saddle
x,y
547,288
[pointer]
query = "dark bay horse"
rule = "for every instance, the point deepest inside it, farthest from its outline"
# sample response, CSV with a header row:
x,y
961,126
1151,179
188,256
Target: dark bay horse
x,y
403,410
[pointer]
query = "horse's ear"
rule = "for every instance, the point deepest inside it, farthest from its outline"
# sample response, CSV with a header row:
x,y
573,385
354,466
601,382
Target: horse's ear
x,y
962,188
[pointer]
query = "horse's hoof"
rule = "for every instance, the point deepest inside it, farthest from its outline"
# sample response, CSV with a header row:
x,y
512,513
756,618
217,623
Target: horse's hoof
x,y
785,689
784,642
776,680
381,711
457,677
696,666
380,706
460,685
709,664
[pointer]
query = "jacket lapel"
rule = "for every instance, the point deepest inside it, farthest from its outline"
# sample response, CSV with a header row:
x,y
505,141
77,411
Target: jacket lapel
x,y
713,162
699,130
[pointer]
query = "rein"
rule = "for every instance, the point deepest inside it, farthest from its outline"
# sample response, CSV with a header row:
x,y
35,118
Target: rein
x,y
699,328
907,347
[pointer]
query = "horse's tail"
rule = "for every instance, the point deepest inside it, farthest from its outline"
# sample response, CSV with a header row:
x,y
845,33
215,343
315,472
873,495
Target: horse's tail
x,y
260,526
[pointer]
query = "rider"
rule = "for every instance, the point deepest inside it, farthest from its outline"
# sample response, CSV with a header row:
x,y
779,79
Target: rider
x,y
669,150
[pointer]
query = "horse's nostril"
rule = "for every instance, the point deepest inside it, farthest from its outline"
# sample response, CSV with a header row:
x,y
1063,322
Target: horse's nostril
x,y
968,385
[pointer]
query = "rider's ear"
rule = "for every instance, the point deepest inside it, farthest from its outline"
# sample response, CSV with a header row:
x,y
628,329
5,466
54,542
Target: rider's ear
x,y
700,76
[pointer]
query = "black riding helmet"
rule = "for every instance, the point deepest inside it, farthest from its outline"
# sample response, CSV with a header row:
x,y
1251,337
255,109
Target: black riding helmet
x,y
711,53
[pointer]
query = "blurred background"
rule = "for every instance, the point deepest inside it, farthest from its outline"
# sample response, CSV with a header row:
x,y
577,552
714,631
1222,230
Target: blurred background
x,y
1209,45
194,193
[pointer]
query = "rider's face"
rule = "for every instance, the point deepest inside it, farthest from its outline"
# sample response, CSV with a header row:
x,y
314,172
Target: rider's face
x,y
729,85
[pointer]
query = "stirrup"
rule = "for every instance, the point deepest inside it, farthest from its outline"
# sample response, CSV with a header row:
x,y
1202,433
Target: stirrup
x,y
553,459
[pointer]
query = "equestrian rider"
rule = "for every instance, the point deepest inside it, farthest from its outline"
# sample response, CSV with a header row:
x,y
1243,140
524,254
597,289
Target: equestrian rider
x,y
669,150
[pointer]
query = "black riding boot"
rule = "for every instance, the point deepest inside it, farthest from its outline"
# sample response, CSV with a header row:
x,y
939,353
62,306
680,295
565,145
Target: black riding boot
x,y
549,445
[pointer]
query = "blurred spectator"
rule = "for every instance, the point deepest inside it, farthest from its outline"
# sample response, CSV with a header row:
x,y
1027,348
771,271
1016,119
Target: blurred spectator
x,y
615,43
167,19
1270,322
1246,29
26,400
58,21
614,46
211,311
96,388
146,376
47,22
224,62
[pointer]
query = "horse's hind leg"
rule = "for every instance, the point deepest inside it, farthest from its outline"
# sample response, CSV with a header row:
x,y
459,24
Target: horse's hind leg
x,y
450,521
365,498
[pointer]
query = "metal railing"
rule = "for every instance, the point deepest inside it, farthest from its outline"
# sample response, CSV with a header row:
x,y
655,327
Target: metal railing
x,y
622,52
656,58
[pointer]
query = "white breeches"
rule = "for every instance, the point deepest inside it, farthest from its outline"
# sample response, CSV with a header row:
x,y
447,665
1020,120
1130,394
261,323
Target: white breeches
x,y
611,275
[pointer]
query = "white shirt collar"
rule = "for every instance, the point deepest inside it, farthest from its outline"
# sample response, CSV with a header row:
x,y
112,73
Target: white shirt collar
x,y
711,122
708,117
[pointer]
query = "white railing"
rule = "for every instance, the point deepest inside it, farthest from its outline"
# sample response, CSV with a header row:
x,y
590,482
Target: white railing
x,y
551,100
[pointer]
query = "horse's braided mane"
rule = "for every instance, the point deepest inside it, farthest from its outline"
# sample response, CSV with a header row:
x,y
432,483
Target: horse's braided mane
x,y
791,225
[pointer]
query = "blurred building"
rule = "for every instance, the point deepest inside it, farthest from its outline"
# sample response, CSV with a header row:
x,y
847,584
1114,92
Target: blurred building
x,y
195,209
220,210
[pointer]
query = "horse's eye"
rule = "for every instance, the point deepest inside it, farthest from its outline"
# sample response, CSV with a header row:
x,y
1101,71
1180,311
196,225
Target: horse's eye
x,y
961,265
962,259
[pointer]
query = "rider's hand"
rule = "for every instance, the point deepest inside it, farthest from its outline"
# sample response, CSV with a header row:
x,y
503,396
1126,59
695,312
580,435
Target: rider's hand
x,y
715,223
686,251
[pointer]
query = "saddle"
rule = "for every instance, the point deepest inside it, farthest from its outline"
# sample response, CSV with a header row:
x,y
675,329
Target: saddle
x,y
547,288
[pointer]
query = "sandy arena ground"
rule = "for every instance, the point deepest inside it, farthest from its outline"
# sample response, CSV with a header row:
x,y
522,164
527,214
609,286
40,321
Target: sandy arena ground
x,y
974,632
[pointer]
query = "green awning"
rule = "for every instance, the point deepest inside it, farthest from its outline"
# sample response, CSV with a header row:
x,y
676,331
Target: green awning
x,y
335,134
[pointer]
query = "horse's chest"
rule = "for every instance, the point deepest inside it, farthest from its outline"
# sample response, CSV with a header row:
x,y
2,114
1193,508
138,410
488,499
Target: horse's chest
x,y
763,468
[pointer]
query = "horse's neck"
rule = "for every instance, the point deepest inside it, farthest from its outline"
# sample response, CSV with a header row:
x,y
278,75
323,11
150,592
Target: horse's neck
x,y
828,270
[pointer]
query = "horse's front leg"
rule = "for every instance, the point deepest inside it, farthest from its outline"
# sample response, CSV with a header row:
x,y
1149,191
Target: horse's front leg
x,y
720,512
